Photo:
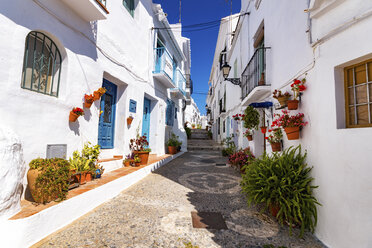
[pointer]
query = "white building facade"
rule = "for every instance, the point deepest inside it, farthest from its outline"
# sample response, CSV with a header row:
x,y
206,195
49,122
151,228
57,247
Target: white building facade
x,y
192,114
328,43
54,52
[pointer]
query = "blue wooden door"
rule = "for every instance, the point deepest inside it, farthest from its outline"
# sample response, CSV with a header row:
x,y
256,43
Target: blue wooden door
x,y
106,127
146,118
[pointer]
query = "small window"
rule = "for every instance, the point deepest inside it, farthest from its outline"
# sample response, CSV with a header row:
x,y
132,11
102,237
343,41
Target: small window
x,y
41,65
129,5
175,113
358,94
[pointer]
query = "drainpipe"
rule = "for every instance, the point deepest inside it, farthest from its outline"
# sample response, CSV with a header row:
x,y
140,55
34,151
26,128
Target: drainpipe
x,y
309,24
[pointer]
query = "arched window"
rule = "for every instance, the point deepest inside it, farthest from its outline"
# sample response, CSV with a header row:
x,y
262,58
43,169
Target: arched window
x,y
42,64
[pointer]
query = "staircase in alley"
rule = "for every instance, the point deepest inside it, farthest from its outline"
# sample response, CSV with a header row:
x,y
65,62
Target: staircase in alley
x,y
200,141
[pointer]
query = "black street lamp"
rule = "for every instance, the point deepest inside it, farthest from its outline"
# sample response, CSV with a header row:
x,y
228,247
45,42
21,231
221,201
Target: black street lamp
x,y
226,71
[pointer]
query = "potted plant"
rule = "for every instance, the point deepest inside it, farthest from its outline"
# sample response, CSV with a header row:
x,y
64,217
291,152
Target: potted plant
x,y
88,100
48,179
99,171
98,93
249,134
139,146
241,158
282,98
129,159
85,163
173,143
137,160
129,120
75,113
268,178
263,127
251,118
193,125
297,87
275,138
290,123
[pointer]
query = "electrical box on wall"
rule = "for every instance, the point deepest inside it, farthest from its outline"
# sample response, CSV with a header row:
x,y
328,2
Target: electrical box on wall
x,y
132,106
56,151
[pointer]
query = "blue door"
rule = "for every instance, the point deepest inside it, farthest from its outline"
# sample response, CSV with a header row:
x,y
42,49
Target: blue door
x,y
146,118
106,127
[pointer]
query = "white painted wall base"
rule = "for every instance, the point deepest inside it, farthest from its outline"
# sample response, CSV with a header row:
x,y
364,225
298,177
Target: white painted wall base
x,y
28,231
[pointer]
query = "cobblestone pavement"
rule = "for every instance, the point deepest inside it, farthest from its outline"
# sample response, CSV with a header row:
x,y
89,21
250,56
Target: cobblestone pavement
x,y
156,212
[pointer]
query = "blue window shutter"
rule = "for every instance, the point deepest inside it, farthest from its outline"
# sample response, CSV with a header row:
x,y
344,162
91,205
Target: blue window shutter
x,y
169,117
175,113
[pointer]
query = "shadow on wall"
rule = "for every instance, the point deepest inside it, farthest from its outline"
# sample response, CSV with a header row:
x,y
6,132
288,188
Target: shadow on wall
x,y
34,17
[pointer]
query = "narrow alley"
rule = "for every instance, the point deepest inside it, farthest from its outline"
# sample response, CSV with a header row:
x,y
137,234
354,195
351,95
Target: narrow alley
x,y
156,212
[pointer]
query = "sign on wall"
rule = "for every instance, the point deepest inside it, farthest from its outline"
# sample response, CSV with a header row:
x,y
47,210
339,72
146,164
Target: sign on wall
x,y
132,106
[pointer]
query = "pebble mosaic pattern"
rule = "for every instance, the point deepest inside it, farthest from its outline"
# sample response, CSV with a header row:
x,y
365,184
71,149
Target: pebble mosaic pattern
x,y
155,212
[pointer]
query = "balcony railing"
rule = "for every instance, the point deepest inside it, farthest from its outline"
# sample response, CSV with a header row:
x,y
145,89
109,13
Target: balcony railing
x,y
254,74
180,81
165,64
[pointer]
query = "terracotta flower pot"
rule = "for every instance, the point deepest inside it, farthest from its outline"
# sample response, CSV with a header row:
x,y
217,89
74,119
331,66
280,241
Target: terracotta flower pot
x,y
274,209
293,133
73,117
96,95
263,129
276,147
137,164
127,163
83,178
172,150
144,156
88,104
129,121
31,180
283,100
292,104
88,176
250,137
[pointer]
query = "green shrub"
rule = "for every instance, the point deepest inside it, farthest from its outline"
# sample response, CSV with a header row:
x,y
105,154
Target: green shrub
x,y
173,141
283,180
188,132
53,181
251,118
210,135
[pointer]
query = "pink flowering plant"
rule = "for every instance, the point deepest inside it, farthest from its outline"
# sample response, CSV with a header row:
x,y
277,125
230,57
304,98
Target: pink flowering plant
x,y
238,117
286,120
275,135
248,132
241,158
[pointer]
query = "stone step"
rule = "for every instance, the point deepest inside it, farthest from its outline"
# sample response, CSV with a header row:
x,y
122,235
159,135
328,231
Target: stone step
x,y
215,148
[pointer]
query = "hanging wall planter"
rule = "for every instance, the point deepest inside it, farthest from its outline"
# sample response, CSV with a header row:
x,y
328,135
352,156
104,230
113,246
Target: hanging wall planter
x,y
263,130
276,147
129,120
98,93
250,137
88,100
75,113
293,133
292,104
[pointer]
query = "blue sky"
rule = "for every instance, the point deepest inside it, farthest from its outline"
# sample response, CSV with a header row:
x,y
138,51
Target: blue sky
x,y
203,42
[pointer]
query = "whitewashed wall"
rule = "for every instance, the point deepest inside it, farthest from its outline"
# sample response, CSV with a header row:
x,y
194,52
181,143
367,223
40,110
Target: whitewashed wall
x,y
342,167
40,119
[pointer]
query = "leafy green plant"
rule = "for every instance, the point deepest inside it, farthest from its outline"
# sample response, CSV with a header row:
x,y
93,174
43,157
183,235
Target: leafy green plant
x,y
251,118
229,146
53,181
198,126
210,135
173,141
283,180
86,161
188,132
137,159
